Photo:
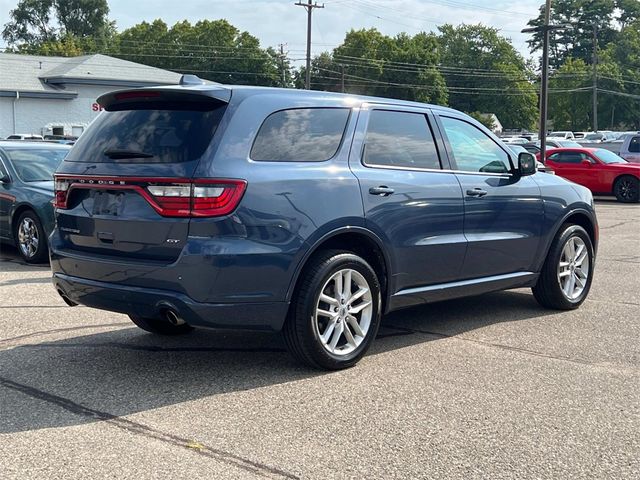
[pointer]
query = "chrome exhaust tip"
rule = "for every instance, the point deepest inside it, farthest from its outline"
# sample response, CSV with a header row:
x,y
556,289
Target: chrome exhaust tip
x,y
66,299
173,318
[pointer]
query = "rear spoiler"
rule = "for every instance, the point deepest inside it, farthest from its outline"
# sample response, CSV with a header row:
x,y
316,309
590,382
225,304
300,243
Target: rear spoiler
x,y
204,98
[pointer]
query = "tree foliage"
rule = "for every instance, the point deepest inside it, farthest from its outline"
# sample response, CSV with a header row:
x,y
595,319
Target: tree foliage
x,y
616,24
212,49
403,67
485,73
60,27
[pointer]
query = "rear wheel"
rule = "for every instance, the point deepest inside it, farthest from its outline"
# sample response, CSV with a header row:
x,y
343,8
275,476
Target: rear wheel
x,y
30,238
567,273
161,327
335,313
626,189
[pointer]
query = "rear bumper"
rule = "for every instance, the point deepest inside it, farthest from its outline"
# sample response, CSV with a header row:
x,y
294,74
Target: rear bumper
x,y
150,303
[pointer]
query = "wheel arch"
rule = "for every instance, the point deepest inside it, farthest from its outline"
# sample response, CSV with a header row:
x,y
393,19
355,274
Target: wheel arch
x,y
620,176
19,210
583,218
358,240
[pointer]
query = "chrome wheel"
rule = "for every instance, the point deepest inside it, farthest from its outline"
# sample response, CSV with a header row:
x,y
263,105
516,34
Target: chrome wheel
x,y
343,312
28,238
573,269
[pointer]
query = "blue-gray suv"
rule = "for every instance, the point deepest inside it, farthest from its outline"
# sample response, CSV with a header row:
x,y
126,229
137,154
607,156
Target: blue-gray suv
x,y
205,205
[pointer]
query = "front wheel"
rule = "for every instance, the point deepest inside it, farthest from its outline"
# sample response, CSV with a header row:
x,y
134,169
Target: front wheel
x,y
567,273
336,311
30,238
626,189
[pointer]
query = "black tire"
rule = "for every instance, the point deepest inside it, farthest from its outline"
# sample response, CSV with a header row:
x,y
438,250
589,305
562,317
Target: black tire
x,y
627,189
548,290
301,332
28,253
159,326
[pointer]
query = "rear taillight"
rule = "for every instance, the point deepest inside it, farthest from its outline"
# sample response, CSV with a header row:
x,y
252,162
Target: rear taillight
x,y
61,187
215,198
169,197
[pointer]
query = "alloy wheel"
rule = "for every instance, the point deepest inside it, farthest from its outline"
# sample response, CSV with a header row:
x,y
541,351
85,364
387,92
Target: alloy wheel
x,y
573,268
343,312
627,189
28,238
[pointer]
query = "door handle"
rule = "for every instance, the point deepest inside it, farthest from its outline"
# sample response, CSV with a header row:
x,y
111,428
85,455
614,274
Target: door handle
x,y
382,191
476,192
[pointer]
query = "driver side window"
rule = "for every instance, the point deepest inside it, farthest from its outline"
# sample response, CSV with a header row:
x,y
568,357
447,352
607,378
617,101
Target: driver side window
x,y
472,149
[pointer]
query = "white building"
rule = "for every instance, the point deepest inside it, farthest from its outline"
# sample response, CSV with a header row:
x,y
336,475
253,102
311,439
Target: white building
x,y
57,95
497,126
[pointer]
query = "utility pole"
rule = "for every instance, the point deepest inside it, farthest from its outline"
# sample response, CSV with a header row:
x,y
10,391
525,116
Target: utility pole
x,y
283,80
309,6
544,81
595,78
342,78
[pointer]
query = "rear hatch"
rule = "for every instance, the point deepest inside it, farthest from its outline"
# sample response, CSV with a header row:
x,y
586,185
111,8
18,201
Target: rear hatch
x,y
126,188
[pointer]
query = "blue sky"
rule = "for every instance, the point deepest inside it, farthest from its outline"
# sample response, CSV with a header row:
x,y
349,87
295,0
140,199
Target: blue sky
x,y
279,21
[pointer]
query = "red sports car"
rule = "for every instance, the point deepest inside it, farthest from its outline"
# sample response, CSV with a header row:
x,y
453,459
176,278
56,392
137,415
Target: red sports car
x,y
601,171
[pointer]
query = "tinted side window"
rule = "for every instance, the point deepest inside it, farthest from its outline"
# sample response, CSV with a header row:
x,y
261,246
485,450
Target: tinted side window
x,y
473,150
400,139
634,145
300,135
567,157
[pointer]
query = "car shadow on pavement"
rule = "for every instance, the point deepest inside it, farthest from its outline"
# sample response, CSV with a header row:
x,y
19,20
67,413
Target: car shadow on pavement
x,y
108,375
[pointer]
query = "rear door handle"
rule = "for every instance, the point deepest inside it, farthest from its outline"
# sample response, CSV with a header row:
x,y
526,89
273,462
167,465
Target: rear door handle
x,y
382,191
476,192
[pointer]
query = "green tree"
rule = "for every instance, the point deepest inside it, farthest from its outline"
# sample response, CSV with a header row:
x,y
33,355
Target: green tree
x,y
370,63
483,118
485,73
619,72
39,26
212,49
581,17
569,96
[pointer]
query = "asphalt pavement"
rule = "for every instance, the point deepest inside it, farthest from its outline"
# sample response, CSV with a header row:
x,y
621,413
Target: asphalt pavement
x,y
485,387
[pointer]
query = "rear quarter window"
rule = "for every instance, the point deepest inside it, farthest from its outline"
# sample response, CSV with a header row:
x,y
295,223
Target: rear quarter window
x,y
300,135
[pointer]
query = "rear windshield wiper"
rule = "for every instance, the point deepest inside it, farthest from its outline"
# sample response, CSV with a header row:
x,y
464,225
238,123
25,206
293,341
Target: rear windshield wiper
x,y
114,153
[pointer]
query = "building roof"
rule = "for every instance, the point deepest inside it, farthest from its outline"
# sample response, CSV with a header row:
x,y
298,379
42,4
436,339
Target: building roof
x,y
42,76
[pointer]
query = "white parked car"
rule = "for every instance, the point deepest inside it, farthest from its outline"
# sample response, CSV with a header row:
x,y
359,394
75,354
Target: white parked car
x,y
561,134
25,136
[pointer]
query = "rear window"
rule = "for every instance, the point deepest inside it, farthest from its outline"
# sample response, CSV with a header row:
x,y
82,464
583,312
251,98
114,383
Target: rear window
x,y
147,136
300,135
35,164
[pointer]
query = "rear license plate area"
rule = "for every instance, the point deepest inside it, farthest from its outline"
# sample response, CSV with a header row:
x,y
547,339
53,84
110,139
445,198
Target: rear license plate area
x,y
107,203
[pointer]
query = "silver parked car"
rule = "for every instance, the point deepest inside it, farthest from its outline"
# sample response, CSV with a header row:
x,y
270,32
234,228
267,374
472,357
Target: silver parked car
x,y
630,149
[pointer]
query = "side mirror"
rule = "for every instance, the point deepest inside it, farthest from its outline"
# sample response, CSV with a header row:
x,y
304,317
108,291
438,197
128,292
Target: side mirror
x,y
586,163
4,178
526,164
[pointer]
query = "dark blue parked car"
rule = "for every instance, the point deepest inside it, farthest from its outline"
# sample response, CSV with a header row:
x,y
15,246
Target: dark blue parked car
x,y
315,213
26,192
